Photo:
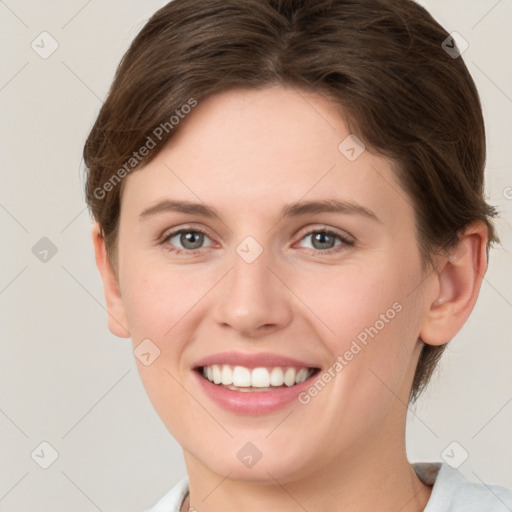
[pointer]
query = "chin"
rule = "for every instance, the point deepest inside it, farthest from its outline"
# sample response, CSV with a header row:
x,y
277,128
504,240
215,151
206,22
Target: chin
x,y
270,467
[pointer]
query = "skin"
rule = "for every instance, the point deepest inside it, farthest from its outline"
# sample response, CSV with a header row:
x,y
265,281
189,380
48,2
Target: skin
x,y
247,153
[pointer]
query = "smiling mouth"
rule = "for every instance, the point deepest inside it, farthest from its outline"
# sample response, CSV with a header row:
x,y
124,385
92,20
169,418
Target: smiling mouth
x,y
241,378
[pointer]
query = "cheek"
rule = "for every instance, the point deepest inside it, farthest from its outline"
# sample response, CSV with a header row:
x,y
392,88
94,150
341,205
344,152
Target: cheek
x,y
164,305
368,319
356,300
159,299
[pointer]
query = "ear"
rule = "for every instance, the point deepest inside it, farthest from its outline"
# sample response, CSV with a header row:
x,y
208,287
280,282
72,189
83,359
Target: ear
x,y
116,314
459,277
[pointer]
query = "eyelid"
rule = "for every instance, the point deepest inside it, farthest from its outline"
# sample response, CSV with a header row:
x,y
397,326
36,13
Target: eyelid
x,y
185,227
324,228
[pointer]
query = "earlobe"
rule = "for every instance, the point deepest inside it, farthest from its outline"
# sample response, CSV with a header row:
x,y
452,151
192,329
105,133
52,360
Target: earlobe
x,y
115,309
459,277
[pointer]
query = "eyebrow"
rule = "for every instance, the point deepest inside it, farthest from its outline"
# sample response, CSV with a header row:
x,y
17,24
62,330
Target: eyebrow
x,y
291,210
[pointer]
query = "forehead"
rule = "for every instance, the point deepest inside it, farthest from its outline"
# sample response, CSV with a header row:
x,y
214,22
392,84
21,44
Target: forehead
x,y
259,149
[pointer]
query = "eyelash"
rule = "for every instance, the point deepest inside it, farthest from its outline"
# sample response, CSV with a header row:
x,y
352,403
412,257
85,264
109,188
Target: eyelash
x,y
346,242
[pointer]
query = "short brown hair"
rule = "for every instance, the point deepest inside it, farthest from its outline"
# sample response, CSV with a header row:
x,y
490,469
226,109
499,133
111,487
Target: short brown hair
x,y
381,61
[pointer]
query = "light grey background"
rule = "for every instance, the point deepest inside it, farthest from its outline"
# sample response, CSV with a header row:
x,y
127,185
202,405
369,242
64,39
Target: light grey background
x,y
67,381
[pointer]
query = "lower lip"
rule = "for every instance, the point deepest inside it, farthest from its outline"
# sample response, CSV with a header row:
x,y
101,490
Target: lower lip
x,y
247,402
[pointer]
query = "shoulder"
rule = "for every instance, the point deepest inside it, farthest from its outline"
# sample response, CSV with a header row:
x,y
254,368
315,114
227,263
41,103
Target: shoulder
x,y
452,492
172,500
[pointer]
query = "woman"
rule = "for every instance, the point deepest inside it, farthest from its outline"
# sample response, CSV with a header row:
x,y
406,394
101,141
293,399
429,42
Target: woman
x,y
290,225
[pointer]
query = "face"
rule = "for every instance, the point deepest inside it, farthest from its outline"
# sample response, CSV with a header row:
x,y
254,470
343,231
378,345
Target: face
x,y
308,261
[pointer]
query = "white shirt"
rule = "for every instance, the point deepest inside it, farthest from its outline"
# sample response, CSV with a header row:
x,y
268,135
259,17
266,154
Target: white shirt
x,y
451,492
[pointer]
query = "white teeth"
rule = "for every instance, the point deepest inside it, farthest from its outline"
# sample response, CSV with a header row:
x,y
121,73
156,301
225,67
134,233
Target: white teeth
x,y
276,377
217,376
260,378
242,377
301,376
289,377
227,375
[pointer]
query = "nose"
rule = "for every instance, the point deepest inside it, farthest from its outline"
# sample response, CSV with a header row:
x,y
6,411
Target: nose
x,y
253,300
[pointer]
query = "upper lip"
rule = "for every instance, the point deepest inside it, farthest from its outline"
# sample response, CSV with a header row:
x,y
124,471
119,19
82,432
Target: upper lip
x,y
262,359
